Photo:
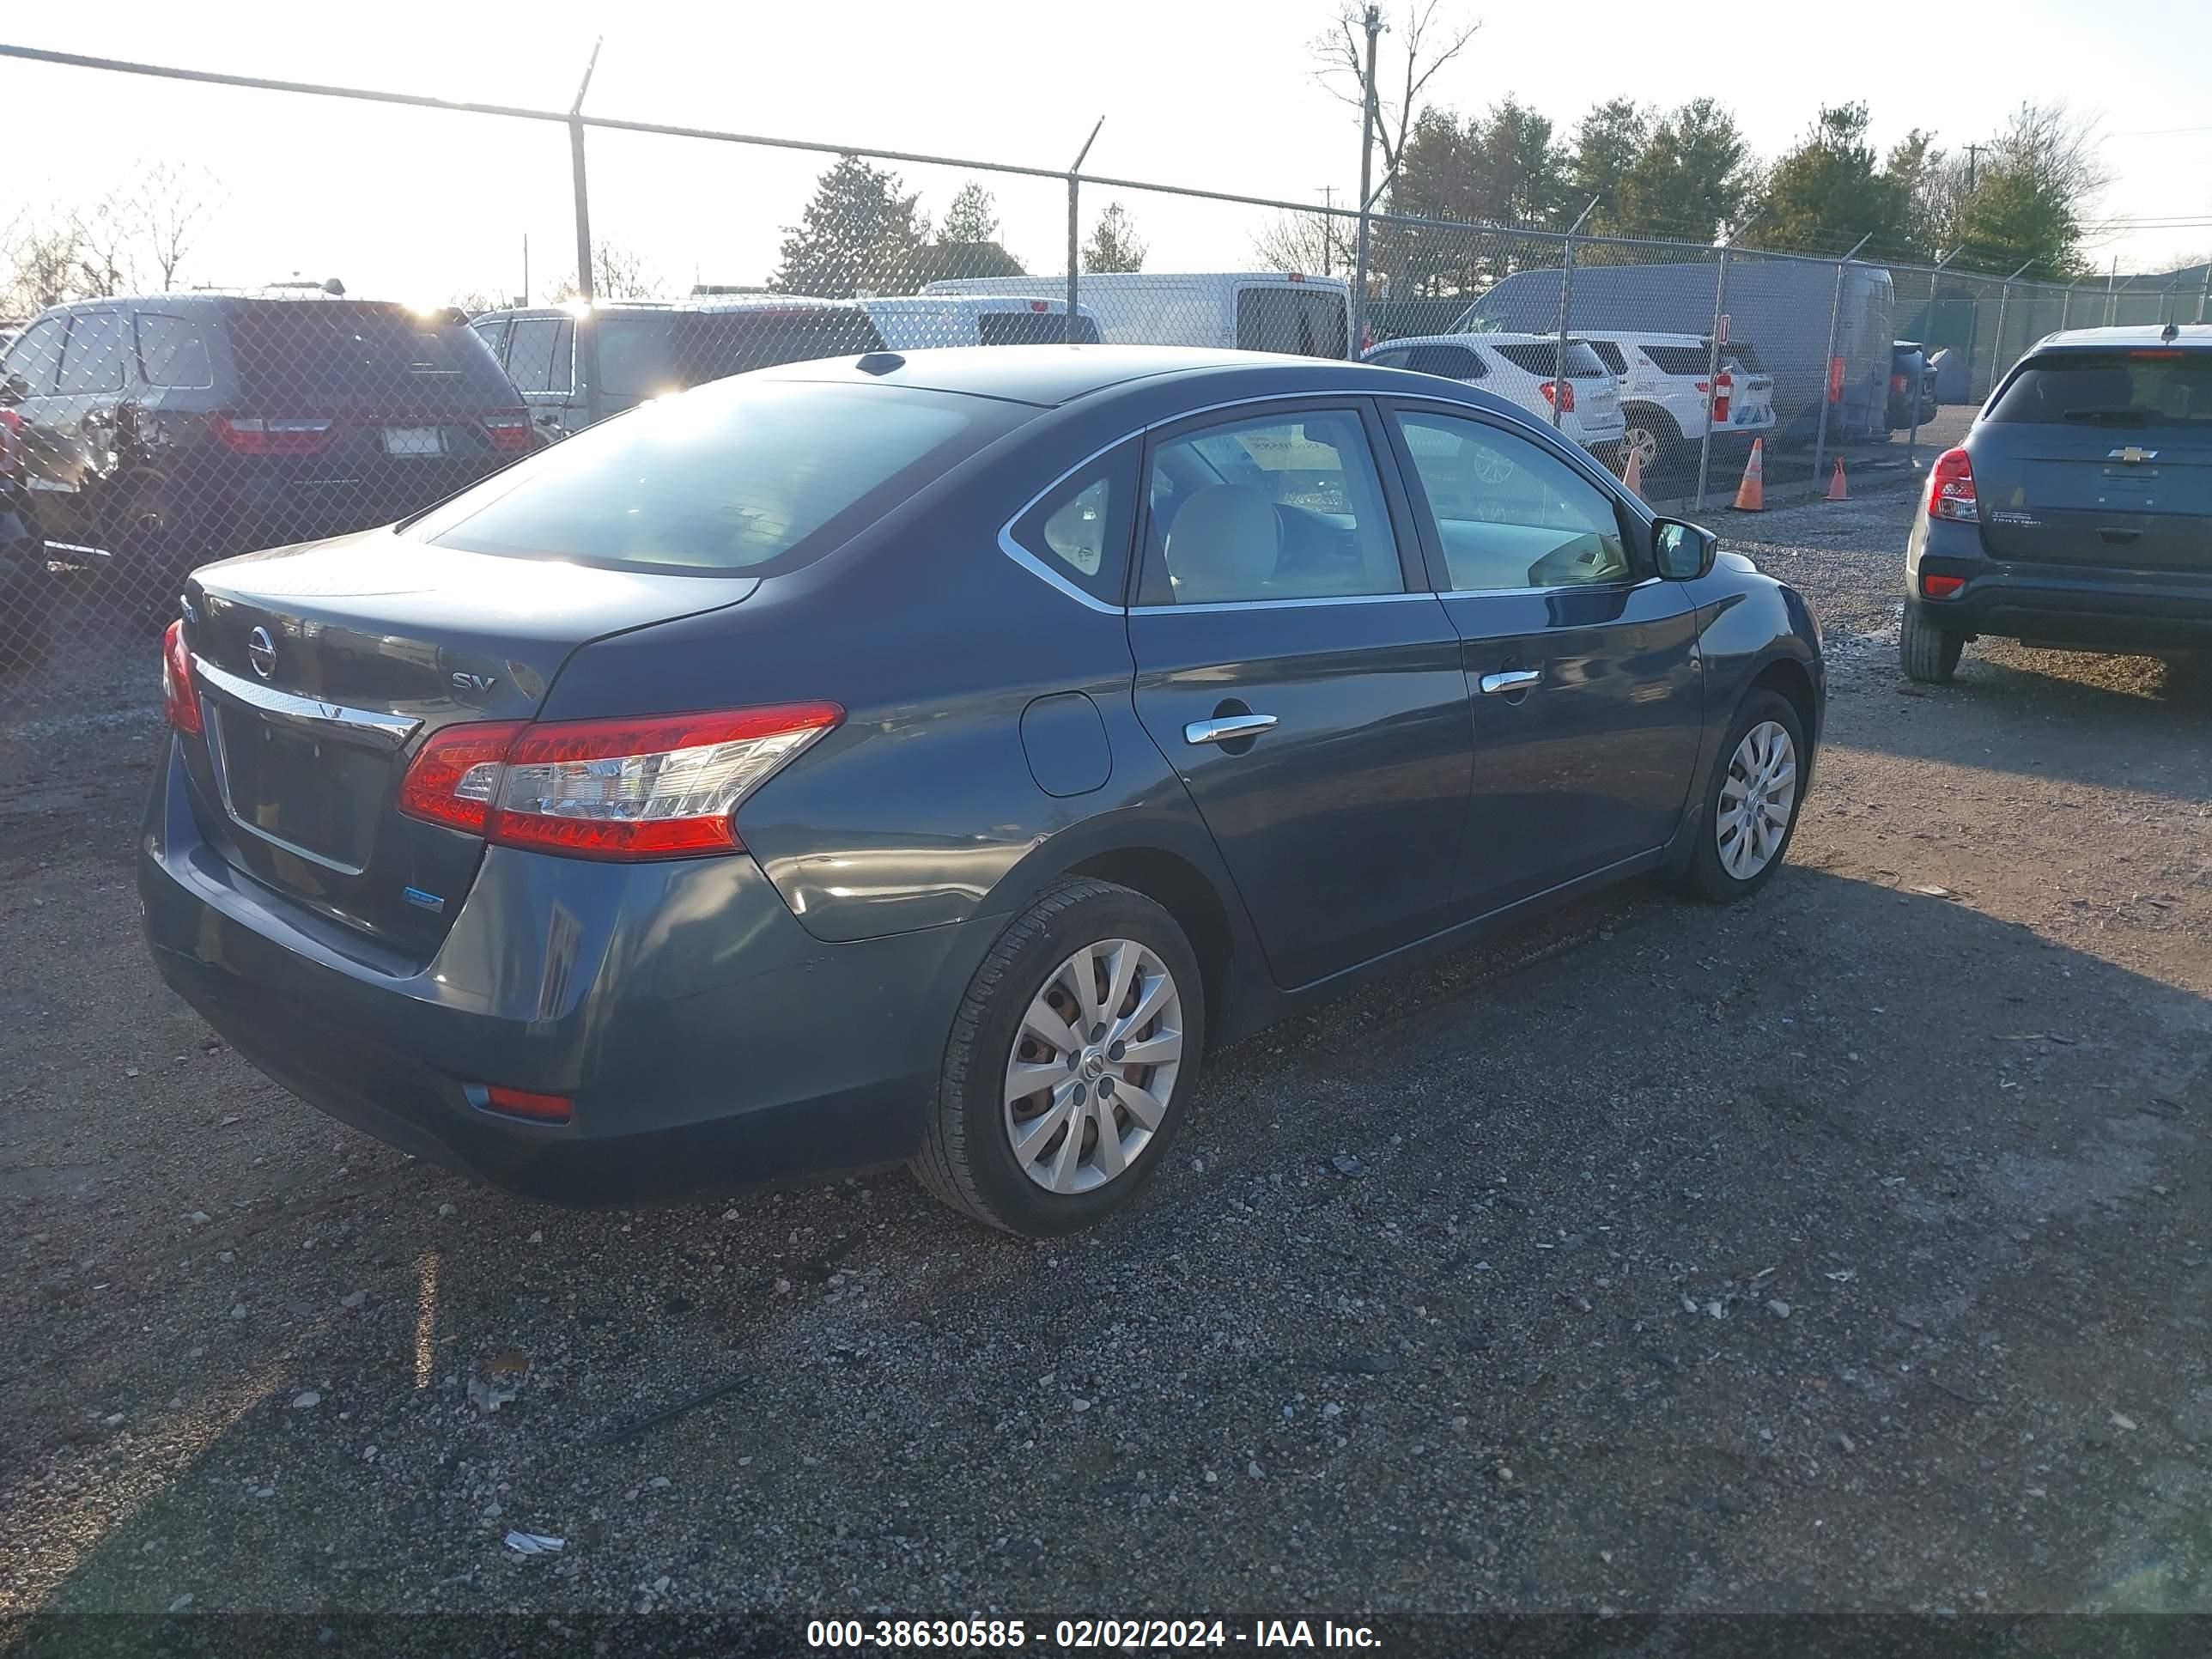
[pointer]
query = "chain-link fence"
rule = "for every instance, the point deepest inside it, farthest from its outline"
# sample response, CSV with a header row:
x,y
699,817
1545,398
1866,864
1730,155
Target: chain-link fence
x,y
146,427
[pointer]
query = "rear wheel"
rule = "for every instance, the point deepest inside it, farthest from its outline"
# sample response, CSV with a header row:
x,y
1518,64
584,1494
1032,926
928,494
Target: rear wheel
x,y
1651,438
1751,800
1930,654
1069,1063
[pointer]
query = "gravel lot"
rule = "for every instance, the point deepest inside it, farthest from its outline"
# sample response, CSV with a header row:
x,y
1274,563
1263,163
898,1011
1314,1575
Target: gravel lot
x,y
1849,1250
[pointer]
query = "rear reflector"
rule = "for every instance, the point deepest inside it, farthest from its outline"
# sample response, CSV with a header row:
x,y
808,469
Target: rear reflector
x,y
521,1103
1941,587
1951,489
181,699
510,432
627,789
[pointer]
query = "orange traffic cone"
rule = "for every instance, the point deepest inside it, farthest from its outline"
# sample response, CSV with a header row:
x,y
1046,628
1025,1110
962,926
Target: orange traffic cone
x,y
1751,494
1632,476
1838,490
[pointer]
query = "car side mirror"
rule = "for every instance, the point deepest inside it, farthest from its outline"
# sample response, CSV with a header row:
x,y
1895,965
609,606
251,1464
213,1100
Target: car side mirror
x,y
1684,551
14,389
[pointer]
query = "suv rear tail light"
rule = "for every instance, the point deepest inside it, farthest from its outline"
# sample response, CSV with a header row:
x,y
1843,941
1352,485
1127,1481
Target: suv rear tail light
x,y
509,431
666,787
252,435
1941,587
1563,392
181,699
1951,489
528,1103
1897,384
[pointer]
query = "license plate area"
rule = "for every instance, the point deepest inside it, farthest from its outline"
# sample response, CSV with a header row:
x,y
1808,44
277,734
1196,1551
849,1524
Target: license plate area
x,y
414,441
311,794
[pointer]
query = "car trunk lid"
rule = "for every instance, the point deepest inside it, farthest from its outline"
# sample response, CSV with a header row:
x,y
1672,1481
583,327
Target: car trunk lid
x,y
321,670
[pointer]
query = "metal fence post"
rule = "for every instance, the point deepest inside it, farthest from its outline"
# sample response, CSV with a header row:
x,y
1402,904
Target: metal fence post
x,y
1075,232
1560,381
2204,295
1997,347
1713,361
1831,383
1912,438
587,332
1357,343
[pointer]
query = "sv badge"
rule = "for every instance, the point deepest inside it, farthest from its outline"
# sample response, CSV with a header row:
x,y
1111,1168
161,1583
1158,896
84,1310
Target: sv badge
x,y
477,682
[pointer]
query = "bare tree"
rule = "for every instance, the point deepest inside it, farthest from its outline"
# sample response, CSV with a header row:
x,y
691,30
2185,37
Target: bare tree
x,y
106,231
42,256
618,273
172,206
1308,242
1426,43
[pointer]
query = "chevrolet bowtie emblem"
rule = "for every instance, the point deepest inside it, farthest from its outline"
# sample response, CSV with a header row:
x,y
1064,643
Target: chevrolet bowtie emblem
x,y
2132,455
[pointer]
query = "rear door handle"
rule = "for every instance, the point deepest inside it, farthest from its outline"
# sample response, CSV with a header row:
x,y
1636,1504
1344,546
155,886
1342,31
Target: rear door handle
x,y
1228,729
1512,680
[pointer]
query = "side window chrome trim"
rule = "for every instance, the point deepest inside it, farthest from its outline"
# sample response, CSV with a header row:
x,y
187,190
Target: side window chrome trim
x,y
1285,605
1036,566
1556,587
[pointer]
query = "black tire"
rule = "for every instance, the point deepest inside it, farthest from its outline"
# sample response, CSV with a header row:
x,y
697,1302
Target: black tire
x,y
1928,654
967,1158
1666,436
1706,876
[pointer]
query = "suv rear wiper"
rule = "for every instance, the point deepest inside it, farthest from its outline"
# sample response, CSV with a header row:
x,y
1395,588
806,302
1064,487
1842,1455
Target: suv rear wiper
x,y
2131,414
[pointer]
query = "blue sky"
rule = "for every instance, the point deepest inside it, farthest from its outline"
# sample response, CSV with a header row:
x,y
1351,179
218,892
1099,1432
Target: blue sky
x,y
1215,93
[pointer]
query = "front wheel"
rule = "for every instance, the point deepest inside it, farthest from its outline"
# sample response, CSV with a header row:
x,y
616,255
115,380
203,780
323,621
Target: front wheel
x,y
1751,800
1069,1063
1928,654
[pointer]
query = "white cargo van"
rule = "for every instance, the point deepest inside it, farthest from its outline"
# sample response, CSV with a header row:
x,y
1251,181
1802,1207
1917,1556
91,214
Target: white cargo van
x,y
1242,311
914,322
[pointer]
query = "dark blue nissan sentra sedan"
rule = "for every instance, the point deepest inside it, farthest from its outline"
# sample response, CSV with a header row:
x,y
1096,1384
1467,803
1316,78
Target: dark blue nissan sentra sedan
x,y
932,757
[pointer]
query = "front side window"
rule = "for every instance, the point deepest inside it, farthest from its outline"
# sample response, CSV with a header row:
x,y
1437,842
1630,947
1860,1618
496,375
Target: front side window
x,y
1273,508
530,353
93,359
730,478
31,361
1508,514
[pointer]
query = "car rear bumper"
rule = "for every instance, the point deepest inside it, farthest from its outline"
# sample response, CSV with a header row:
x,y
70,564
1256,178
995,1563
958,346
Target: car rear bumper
x,y
707,1040
2087,606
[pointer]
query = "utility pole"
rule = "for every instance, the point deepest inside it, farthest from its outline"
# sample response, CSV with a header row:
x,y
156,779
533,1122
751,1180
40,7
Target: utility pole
x,y
1974,156
1373,24
1328,226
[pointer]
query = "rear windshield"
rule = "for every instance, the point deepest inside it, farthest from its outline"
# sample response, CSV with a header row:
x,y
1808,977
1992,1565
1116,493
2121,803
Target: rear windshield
x,y
736,477
1582,363
2150,387
1027,327
320,351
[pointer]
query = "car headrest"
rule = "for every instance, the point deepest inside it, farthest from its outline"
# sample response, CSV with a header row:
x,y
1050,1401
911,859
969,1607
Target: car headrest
x,y
1223,545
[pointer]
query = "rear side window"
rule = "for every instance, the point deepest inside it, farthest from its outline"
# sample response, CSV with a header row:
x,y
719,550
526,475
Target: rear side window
x,y
323,351
1453,362
1582,363
740,477
1034,328
2149,387
35,355
1610,354
172,352
1079,530
530,353
1680,360
93,359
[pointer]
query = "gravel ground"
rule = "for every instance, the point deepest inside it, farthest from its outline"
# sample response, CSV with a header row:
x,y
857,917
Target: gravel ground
x,y
1844,1251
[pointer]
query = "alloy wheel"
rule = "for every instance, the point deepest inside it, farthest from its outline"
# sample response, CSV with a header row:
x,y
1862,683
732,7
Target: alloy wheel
x,y
1756,797
1094,1065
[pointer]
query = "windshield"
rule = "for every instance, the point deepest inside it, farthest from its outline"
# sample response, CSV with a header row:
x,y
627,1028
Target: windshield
x,y
731,477
2149,387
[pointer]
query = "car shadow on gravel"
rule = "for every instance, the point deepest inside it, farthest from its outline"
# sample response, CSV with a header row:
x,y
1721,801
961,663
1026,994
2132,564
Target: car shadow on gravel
x,y
1837,1250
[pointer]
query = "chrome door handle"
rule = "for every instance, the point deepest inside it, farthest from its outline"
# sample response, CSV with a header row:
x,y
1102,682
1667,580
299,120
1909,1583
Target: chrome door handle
x,y
1514,680
1228,729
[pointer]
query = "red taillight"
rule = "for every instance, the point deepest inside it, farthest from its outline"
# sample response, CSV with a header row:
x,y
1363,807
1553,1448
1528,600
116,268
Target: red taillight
x,y
509,433
1951,489
1941,587
523,1103
247,434
665,788
181,699
1562,391
456,773
1897,384
2155,356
